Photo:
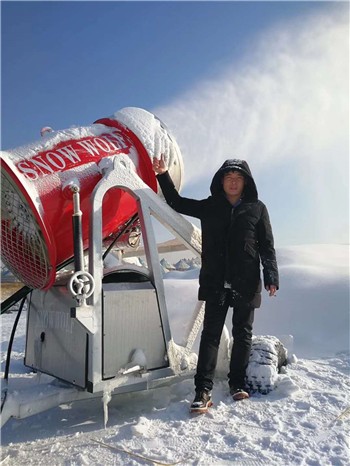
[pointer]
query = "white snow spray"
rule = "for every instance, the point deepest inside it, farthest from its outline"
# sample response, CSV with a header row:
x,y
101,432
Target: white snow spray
x,y
284,108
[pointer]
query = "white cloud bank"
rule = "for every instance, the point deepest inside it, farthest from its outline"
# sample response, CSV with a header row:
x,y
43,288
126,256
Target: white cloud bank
x,y
285,109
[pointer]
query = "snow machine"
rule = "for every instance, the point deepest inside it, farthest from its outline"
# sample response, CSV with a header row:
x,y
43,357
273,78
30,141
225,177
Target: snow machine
x,y
68,201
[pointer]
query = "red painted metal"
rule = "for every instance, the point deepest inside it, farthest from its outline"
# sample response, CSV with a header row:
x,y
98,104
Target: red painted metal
x,y
37,211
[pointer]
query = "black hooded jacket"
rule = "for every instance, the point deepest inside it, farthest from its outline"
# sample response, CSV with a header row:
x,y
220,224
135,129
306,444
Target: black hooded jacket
x,y
234,239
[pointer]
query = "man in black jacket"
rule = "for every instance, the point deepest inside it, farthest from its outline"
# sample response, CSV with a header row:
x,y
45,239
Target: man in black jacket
x,y
236,237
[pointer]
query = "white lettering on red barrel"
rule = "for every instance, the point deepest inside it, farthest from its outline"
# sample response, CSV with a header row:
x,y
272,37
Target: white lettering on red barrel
x,y
77,152
69,153
56,160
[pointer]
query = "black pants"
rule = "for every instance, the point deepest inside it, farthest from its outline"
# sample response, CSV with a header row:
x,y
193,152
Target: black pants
x,y
242,330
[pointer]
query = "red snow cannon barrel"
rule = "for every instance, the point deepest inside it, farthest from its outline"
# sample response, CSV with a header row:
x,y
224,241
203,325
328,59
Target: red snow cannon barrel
x,y
37,207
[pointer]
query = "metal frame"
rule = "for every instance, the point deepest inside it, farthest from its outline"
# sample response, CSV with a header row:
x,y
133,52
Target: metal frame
x,y
119,173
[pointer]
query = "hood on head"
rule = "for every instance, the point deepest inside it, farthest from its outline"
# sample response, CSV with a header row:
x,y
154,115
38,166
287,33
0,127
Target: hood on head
x,y
250,192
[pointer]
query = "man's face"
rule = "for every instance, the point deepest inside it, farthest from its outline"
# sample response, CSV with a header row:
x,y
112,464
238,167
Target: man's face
x,y
233,183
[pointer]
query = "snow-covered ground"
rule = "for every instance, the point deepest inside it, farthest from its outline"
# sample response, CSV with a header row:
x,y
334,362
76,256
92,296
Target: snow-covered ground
x,y
304,421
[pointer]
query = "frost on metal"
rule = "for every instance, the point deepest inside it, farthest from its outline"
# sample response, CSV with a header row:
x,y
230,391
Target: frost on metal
x,y
180,358
21,238
268,356
155,137
106,398
39,206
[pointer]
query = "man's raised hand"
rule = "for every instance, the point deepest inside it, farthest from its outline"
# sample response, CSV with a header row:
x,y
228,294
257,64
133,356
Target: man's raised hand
x,y
159,165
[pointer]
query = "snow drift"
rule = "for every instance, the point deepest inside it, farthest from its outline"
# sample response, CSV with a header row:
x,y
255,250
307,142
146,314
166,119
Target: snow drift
x,y
302,421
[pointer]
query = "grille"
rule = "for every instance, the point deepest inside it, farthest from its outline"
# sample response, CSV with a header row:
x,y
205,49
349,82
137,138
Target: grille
x,y
23,249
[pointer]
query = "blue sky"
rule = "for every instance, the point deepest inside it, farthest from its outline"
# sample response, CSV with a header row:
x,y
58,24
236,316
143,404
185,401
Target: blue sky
x,y
67,63
251,75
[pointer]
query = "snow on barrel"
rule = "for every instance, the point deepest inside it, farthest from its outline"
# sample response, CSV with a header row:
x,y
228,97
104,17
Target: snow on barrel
x,y
37,207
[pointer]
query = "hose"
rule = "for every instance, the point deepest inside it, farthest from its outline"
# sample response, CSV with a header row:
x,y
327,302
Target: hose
x,y
9,349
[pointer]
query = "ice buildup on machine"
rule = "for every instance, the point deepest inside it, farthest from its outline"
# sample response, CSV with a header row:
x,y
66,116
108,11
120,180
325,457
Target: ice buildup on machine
x,y
36,200
86,326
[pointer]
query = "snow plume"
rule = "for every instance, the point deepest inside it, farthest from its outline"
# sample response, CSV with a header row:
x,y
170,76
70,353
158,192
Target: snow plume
x,y
284,108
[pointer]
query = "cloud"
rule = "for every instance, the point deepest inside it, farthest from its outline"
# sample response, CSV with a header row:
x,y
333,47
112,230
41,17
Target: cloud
x,y
284,108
